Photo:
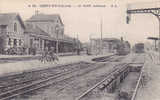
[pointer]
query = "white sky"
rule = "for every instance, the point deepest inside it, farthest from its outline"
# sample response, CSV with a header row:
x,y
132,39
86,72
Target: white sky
x,y
86,21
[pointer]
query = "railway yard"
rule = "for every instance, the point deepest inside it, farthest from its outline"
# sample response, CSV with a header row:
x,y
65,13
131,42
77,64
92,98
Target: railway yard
x,y
110,77
90,50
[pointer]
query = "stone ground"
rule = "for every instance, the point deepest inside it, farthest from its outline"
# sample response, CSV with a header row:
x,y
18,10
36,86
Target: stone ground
x,y
129,82
74,87
20,66
14,56
151,90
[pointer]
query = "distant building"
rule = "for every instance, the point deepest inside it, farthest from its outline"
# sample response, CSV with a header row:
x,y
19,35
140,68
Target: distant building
x,y
11,31
108,45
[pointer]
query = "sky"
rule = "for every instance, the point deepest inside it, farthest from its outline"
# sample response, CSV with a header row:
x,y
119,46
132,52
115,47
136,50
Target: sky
x,y
85,22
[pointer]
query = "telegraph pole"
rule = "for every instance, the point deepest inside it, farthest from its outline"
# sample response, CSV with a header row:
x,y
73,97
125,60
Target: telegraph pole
x,y
78,45
90,42
101,23
57,40
159,37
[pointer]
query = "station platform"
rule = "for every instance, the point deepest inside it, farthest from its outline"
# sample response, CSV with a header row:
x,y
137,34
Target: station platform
x,y
21,66
150,91
12,57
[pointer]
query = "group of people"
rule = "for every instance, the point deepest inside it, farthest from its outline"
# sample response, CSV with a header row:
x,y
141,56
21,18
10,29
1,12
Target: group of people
x,y
48,56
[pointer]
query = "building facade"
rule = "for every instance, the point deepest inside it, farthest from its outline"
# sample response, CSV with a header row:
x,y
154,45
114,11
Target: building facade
x,y
11,31
51,24
106,45
36,40
39,32
52,28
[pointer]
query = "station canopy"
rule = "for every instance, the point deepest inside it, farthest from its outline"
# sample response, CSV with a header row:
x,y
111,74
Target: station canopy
x,y
111,40
152,38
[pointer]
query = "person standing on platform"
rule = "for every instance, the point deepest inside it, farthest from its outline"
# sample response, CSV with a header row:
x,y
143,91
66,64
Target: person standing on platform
x,y
52,54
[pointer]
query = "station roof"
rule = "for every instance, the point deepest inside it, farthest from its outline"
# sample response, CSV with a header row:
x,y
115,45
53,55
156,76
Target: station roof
x,y
38,32
107,39
153,38
45,17
7,18
111,39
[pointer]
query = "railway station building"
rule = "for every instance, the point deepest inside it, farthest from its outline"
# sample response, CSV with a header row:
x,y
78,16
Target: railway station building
x,y
35,34
48,30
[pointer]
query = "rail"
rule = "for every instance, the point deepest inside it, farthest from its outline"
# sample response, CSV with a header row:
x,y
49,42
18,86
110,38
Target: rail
x,y
101,59
34,86
137,85
95,86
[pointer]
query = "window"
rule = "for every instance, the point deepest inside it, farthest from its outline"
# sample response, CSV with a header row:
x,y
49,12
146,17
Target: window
x,y
15,42
3,28
9,41
20,42
15,27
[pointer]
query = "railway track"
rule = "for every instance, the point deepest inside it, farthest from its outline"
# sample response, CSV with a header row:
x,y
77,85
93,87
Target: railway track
x,y
79,83
111,58
24,86
101,59
133,97
77,76
38,84
29,76
110,75
48,77
88,95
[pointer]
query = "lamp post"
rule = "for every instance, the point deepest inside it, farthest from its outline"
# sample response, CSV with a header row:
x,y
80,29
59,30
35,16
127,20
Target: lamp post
x,y
157,14
101,42
57,39
78,45
91,44
90,38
